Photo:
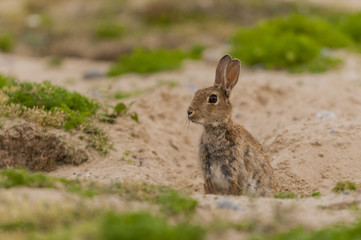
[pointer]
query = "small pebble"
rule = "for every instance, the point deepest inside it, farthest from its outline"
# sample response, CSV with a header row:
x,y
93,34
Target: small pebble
x,y
192,87
332,131
141,160
224,203
325,115
93,73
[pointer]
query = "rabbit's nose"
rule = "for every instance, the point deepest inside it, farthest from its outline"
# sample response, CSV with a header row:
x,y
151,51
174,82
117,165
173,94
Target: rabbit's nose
x,y
190,112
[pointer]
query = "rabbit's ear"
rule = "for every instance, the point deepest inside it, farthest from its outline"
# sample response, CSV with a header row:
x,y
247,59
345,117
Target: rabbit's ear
x,y
220,72
232,74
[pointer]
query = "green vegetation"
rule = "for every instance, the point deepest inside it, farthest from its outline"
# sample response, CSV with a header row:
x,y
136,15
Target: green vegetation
x,y
7,81
51,98
343,186
173,203
41,25
50,105
119,110
126,157
354,207
109,30
148,61
97,138
341,232
170,201
12,178
121,95
316,194
285,195
81,218
142,225
351,26
84,219
6,43
21,177
293,43
55,61
319,64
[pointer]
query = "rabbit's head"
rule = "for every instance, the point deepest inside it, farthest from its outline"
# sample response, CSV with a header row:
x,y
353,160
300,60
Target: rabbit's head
x,y
211,106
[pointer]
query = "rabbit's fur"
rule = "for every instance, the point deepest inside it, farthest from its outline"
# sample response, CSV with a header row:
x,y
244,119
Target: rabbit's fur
x,y
232,160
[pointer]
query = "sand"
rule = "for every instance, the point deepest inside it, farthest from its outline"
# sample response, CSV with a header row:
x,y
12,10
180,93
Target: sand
x,y
310,125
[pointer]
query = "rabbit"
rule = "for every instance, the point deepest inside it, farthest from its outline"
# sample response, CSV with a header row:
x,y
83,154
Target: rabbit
x,y
232,160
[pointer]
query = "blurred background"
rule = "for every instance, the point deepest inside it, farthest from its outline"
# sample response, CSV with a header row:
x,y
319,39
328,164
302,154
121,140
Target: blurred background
x,y
106,29
109,29
135,65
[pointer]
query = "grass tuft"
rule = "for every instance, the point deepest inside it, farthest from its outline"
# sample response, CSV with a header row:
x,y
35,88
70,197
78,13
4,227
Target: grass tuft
x,y
109,30
10,178
173,203
7,81
293,43
316,194
51,98
343,186
142,225
6,43
285,195
21,177
351,26
148,61
351,232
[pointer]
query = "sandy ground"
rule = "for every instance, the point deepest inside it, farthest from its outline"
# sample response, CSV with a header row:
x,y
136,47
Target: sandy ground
x,y
350,5
310,125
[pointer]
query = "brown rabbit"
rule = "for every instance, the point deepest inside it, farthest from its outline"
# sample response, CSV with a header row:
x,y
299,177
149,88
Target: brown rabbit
x,y
233,161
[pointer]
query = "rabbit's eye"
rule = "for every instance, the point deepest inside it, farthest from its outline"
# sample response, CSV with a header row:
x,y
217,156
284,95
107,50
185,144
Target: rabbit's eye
x,y
213,98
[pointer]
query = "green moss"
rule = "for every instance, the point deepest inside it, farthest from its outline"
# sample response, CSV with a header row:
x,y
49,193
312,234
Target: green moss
x,y
50,97
292,43
173,203
148,61
142,225
285,195
6,43
109,30
344,186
